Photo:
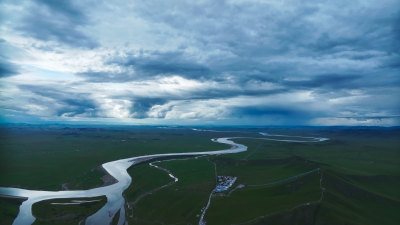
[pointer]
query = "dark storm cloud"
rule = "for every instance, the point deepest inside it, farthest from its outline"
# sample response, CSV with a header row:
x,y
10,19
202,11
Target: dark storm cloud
x,y
251,28
61,102
141,106
166,63
344,51
145,65
221,93
363,118
70,104
266,111
7,68
254,31
259,41
327,48
328,82
279,113
59,21
101,76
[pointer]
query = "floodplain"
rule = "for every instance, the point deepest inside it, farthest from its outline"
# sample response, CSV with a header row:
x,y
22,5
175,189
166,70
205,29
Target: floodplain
x,y
352,178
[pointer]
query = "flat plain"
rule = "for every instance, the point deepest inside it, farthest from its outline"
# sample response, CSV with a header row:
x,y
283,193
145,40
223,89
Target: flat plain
x,y
353,178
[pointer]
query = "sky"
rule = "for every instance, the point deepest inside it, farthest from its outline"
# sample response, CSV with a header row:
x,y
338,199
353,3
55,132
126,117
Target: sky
x,y
234,62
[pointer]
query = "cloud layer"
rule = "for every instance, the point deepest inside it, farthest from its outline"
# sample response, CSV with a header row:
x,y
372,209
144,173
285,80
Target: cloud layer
x,y
214,62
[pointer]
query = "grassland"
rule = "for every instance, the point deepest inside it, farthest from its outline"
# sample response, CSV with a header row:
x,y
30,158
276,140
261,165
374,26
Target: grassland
x,y
358,181
182,201
55,211
29,151
9,208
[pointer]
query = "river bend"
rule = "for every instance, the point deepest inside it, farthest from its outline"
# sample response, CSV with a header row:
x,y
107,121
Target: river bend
x,y
115,200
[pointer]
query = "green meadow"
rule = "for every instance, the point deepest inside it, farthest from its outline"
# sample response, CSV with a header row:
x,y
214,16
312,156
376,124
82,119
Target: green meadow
x,y
54,212
353,178
72,155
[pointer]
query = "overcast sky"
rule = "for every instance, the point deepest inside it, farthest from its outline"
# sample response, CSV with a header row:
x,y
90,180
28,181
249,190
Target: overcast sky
x,y
251,62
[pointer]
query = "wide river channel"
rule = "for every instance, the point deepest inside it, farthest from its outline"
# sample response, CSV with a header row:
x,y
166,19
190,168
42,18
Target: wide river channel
x,y
117,169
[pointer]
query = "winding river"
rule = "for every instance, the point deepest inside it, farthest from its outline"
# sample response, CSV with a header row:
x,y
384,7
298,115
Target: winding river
x,y
115,200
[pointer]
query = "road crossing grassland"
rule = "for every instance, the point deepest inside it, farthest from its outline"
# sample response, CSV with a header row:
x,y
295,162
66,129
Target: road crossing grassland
x,y
345,162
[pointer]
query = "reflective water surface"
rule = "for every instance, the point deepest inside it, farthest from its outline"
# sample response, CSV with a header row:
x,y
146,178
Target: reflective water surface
x,y
115,200
118,169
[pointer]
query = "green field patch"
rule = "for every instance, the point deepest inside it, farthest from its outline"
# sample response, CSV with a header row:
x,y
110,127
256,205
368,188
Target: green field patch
x,y
182,202
55,211
343,203
357,154
9,208
387,186
268,149
247,203
301,215
347,203
89,179
36,157
254,172
144,179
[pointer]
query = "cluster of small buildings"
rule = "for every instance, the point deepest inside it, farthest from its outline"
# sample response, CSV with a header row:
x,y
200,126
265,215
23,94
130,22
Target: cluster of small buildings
x,y
224,183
